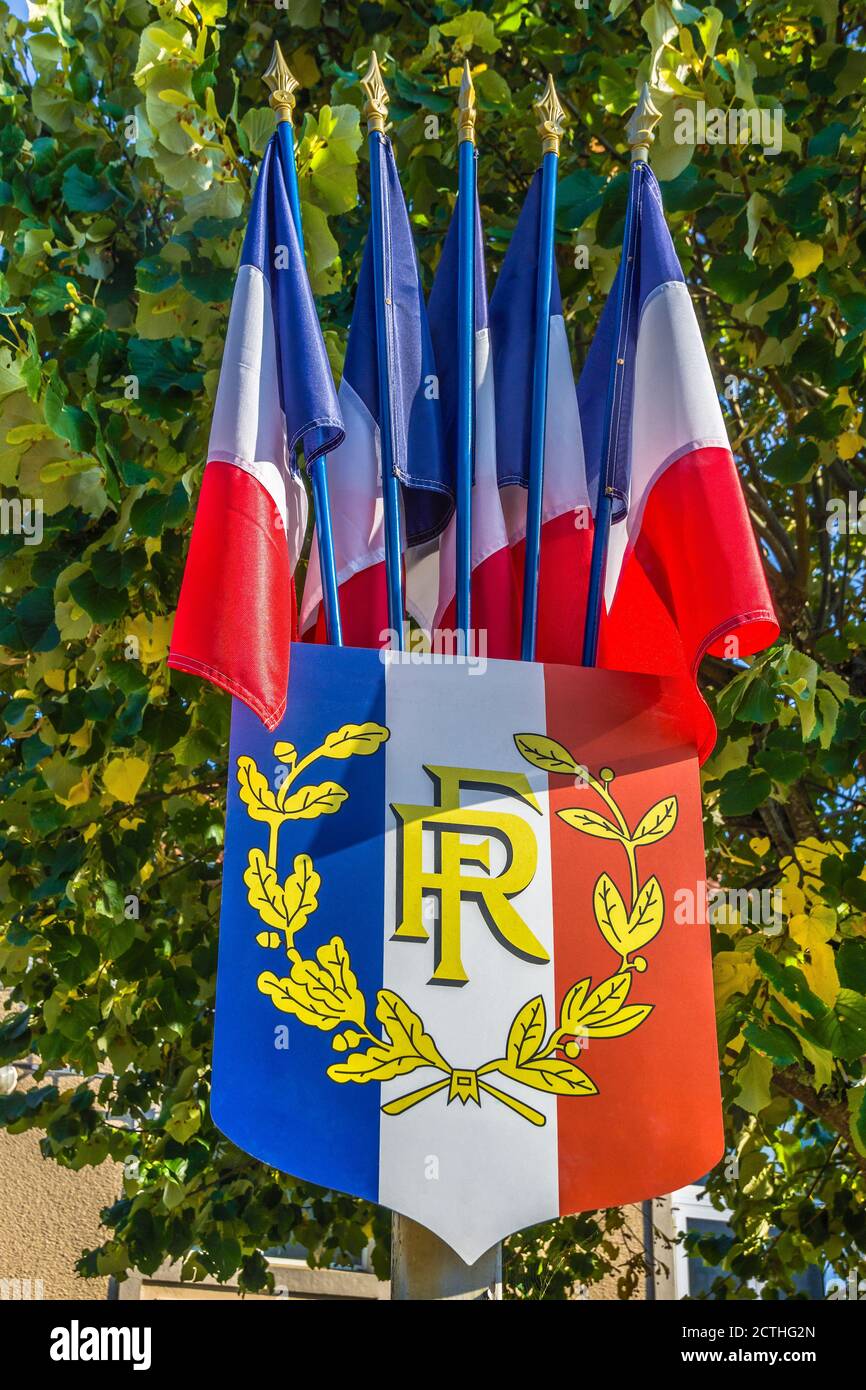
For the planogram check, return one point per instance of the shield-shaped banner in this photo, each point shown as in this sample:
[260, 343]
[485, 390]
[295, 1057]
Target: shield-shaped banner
[462, 969]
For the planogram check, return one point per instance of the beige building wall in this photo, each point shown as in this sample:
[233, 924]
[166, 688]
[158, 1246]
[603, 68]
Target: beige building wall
[48, 1215]
[630, 1242]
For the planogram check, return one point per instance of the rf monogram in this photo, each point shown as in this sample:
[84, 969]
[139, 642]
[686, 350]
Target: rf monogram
[448, 883]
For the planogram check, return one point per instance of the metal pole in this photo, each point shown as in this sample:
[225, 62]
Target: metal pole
[284, 85]
[376, 114]
[640, 135]
[551, 130]
[423, 1267]
[465, 356]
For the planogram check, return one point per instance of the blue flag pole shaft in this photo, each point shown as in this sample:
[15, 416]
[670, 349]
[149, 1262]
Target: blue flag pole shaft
[529, 634]
[318, 468]
[286, 137]
[390, 482]
[465, 386]
[613, 402]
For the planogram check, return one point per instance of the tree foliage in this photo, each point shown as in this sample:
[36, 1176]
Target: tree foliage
[128, 143]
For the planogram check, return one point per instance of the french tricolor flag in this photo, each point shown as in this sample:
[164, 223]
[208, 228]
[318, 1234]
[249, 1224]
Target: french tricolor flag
[566, 536]
[237, 614]
[431, 568]
[355, 469]
[684, 575]
[474, 973]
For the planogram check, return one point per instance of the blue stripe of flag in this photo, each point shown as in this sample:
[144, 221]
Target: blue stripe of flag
[280, 1104]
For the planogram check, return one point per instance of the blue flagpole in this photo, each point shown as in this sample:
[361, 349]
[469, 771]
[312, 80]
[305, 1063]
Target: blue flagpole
[551, 130]
[640, 136]
[283, 86]
[376, 113]
[467, 171]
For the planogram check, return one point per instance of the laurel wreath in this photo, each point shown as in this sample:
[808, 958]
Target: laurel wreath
[323, 992]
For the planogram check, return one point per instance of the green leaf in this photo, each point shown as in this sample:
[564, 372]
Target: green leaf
[791, 983]
[774, 1042]
[792, 461]
[84, 193]
[742, 790]
[68, 421]
[472, 30]
[104, 605]
[850, 963]
[753, 1083]
[155, 512]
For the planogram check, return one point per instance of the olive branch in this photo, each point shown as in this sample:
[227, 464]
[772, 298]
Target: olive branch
[323, 992]
[625, 926]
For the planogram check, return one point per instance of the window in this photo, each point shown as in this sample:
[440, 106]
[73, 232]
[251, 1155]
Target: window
[693, 1214]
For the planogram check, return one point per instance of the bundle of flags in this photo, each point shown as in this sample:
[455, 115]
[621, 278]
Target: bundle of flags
[683, 572]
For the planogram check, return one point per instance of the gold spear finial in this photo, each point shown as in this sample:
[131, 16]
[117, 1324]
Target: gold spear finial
[283, 84]
[639, 131]
[466, 106]
[551, 118]
[376, 109]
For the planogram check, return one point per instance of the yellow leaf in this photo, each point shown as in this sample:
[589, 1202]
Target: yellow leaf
[174, 98]
[55, 680]
[527, 1032]
[81, 738]
[300, 893]
[378, 1063]
[571, 1005]
[818, 961]
[255, 792]
[849, 444]
[406, 1030]
[305, 68]
[28, 434]
[354, 739]
[647, 916]
[805, 256]
[547, 754]
[658, 822]
[123, 777]
[610, 913]
[551, 1074]
[311, 802]
[753, 1081]
[603, 1003]
[264, 893]
[278, 990]
[625, 1021]
[591, 823]
[80, 793]
[153, 635]
[322, 992]
[733, 973]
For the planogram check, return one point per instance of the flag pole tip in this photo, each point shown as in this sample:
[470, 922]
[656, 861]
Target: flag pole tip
[551, 118]
[641, 126]
[466, 106]
[283, 85]
[376, 108]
